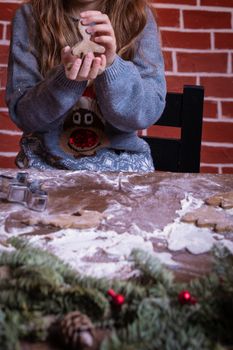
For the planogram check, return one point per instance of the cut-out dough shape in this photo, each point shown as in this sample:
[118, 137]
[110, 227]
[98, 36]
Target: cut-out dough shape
[208, 216]
[223, 200]
[86, 45]
[84, 220]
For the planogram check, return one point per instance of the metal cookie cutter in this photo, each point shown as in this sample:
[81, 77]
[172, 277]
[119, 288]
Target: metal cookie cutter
[37, 198]
[19, 190]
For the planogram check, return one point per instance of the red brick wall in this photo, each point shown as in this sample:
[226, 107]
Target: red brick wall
[9, 134]
[197, 39]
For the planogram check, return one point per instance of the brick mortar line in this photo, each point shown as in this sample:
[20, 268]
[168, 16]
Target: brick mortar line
[193, 7]
[200, 51]
[181, 20]
[230, 63]
[11, 1]
[218, 99]
[4, 32]
[222, 166]
[217, 144]
[4, 42]
[196, 30]
[5, 22]
[200, 74]
[8, 154]
[219, 109]
[174, 62]
[212, 41]
[217, 120]
[11, 132]
[217, 164]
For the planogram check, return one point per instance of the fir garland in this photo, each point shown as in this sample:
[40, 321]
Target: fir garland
[37, 289]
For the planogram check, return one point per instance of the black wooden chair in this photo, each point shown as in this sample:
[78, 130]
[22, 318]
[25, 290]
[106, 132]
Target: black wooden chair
[185, 111]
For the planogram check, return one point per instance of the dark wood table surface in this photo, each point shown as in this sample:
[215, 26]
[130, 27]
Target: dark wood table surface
[148, 201]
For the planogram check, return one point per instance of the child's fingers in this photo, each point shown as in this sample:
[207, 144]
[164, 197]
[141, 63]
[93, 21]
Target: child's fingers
[72, 69]
[110, 45]
[91, 13]
[86, 66]
[94, 16]
[103, 64]
[95, 68]
[106, 40]
[101, 28]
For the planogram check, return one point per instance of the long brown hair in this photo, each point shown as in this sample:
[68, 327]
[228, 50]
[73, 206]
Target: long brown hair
[55, 29]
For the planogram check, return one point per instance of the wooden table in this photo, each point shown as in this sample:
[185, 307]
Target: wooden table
[142, 206]
[147, 202]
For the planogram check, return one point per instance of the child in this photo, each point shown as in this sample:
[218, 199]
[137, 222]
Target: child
[83, 113]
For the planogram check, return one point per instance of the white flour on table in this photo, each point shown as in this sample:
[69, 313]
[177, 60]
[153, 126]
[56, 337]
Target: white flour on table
[107, 253]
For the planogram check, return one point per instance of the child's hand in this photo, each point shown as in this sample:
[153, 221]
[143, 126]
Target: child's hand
[102, 32]
[82, 69]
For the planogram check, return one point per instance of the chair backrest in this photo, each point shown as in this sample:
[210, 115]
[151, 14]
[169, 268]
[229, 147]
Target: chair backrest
[185, 111]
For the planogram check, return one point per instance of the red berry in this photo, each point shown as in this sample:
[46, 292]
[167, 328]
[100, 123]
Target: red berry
[111, 293]
[119, 299]
[184, 297]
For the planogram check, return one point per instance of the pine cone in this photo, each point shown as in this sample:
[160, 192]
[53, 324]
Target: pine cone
[78, 331]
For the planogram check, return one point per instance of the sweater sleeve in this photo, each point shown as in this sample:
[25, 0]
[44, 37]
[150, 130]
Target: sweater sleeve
[131, 94]
[35, 102]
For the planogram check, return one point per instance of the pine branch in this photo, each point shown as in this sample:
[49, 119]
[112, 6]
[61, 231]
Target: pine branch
[9, 330]
[152, 318]
[152, 269]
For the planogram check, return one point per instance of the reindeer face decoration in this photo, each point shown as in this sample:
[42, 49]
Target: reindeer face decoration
[83, 130]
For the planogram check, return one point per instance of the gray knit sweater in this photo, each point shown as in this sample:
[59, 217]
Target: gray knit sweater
[60, 125]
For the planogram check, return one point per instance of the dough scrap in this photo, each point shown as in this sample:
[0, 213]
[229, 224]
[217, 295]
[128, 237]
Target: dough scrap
[83, 220]
[208, 216]
[223, 200]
